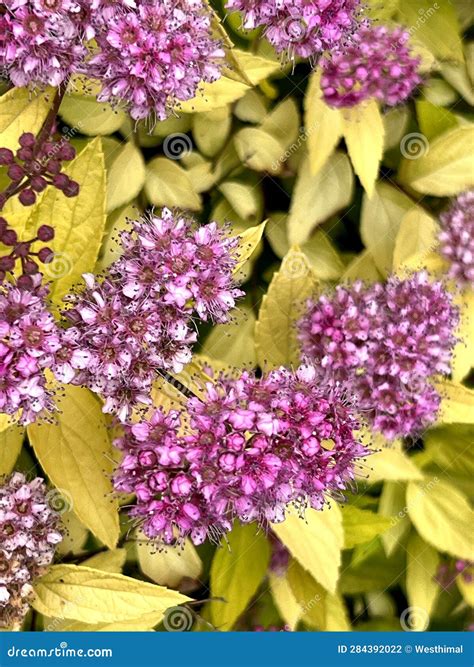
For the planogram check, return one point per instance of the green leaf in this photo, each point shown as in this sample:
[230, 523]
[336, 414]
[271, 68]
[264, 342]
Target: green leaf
[323, 125]
[435, 25]
[11, 441]
[275, 335]
[93, 596]
[76, 453]
[236, 573]
[361, 525]
[451, 448]
[417, 236]
[442, 516]
[422, 587]
[434, 120]
[125, 172]
[317, 198]
[315, 542]
[211, 129]
[79, 222]
[89, 117]
[168, 567]
[381, 216]
[168, 184]
[457, 403]
[364, 134]
[392, 504]
[22, 111]
[445, 169]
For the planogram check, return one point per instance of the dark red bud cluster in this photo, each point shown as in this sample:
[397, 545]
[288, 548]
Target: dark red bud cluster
[21, 251]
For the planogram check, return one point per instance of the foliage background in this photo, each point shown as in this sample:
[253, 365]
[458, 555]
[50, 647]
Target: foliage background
[346, 195]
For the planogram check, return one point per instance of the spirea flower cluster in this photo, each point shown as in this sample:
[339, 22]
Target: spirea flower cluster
[378, 64]
[29, 339]
[457, 238]
[254, 446]
[138, 319]
[29, 532]
[302, 28]
[385, 342]
[147, 55]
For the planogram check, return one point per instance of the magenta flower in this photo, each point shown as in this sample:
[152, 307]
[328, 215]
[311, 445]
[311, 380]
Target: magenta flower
[29, 339]
[385, 343]
[302, 28]
[378, 64]
[254, 446]
[138, 319]
[457, 238]
[29, 530]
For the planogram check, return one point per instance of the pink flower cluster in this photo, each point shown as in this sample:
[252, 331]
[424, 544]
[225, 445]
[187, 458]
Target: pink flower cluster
[385, 342]
[29, 531]
[378, 64]
[29, 339]
[253, 447]
[147, 55]
[457, 238]
[303, 28]
[138, 319]
[448, 573]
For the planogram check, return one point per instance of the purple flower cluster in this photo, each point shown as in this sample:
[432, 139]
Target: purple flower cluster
[29, 534]
[146, 55]
[457, 238]
[385, 342]
[138, 319]
[378, 64]
[253, 447]
[303, 28]
[29, 339]
[448, 573]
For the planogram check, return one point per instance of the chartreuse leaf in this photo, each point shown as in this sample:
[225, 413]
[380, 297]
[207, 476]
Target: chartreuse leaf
[318, 608]
[457, 403]
[125, 172]
[392, 504]
[364, 134]
[316, 198]
[283, 122]
[435, 25]
[275, 335]
[90, 117]
[226, 90]
[463, 357]
[442, 516]
[361, 525]
[76, 453]
[323, 125]
[422, 587]
[259, 150]
[451, 448]
[284, 599]
[388, 461]
[233, 343]
[22, 111]
[381, 216]
[94, 596]
[249, 239]
[211, 129]
[11, 441]
[75, 534]
[444, 169]
[168, 184]
[108, 561]
[315, 542]
[434, 120]
[362, 267]
[417, 236]
[236, 573]
[168, 567]
[79, 222]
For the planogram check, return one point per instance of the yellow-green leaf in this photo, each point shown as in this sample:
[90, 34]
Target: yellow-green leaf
[457, 403]
[11, 441]
[361, 525]
[393, 504]
[236, 573]
[416, 238]
[89, 117]
[323, 125]
[422, 587]
[93, 596]
[170, 566]
[315, 542]
[389, 462]
[248, 242]
[125, 172]
[364, 134]
[108, 561]
[436, 25]
[22, 111]
[211, 129]
[446, 168]
[168, 184]
[259, 150]
[233, 343]
[463, 356]
[275, 334]
[76, 453]
[284, 599]
[442, 516]
[451, 447]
